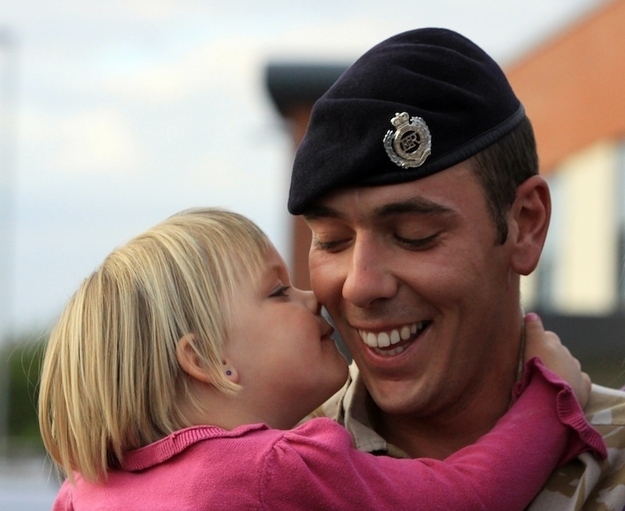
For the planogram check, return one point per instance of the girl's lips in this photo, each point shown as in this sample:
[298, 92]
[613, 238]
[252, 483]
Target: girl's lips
[326, 330]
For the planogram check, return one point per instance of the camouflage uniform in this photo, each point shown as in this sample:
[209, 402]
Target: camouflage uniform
[583, 484]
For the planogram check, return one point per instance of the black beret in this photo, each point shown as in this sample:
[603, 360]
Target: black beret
[415, 104]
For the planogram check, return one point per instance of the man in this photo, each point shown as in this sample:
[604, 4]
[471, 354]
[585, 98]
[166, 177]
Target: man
[418, 177]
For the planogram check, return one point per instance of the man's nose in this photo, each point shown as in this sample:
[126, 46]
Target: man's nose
[369, 275]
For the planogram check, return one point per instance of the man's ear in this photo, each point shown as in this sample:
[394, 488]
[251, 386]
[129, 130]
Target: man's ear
[191, 363]
[530, 215]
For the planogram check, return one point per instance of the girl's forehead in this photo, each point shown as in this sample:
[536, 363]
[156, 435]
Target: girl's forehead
[259, 267]
[272, 265]
[274, 261]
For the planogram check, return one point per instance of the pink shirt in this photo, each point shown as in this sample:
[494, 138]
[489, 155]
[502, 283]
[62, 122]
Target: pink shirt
[315, 466]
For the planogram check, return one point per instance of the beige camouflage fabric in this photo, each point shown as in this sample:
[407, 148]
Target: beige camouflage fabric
[583, 484]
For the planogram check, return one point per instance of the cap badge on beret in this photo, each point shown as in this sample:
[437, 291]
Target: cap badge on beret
[411, 143]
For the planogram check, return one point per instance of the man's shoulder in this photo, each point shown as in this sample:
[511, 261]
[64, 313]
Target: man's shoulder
[335, 407]
[606, 407]
[587, 483]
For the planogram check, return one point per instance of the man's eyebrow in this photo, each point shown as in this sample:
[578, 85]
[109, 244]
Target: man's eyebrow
[415, 205]
[316, 211]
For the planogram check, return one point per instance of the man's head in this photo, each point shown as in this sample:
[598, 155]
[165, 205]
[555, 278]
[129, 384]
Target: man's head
[417, 176]
[456, 103]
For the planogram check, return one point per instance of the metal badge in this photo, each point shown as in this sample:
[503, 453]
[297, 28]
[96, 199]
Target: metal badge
[410, 144]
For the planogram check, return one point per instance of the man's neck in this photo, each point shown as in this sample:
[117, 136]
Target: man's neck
[437, 437]
[441, 434]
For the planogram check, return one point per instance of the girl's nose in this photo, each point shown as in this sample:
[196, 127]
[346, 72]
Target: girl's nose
[309, 299]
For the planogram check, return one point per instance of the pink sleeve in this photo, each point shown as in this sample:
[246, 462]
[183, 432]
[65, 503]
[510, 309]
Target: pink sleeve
[316, 467]
[582, 437]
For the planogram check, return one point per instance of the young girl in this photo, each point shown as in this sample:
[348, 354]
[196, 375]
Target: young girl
[177, 374]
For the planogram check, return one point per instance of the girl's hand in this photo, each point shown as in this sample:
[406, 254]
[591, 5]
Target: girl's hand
[555, 356]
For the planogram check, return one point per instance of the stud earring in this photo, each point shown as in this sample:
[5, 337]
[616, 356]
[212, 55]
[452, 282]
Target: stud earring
[228, 372]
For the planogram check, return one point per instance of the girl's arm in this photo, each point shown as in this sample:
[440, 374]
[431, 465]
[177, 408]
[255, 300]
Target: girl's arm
[316, 467]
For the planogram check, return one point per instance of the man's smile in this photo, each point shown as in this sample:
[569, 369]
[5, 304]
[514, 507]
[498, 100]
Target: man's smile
[395, 341]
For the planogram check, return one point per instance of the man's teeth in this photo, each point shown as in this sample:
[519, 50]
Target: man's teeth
[386, 339]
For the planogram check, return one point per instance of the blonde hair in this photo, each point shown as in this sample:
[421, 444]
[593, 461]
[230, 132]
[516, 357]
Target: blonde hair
[110, 378]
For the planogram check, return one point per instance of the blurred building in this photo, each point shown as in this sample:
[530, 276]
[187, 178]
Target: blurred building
[294, 88]
[573, 88]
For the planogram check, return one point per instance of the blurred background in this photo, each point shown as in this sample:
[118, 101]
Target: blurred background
[114, 115]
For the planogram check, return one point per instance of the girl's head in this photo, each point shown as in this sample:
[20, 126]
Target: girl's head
[111, 379]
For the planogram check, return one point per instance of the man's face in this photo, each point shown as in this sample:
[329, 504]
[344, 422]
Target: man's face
[425, 299]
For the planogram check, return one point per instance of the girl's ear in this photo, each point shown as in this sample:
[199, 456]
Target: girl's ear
[189, 359]
[191, 363]
[231, 373]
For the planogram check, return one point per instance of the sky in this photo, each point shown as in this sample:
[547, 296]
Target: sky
[116, 114]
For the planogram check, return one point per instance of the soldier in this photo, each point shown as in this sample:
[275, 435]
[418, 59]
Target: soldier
[418, 177]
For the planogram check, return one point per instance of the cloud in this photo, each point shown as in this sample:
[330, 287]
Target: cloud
[223, 67]
[98, 140]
